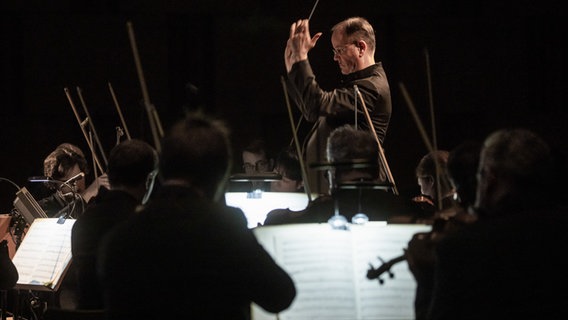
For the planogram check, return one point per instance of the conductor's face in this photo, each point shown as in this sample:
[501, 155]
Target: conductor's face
[345, 52]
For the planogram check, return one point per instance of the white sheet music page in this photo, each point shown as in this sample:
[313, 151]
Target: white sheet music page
[44, 254]
[329, 268]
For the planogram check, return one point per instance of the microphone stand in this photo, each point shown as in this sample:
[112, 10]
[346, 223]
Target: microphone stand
[68, 210]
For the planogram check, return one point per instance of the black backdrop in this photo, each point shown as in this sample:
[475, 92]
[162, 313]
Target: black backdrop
[491, 64]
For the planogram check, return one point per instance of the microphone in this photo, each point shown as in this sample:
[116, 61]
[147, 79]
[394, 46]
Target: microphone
[75, 178]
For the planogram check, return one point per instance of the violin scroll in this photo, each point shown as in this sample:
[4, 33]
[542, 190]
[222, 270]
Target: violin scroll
[385, 267]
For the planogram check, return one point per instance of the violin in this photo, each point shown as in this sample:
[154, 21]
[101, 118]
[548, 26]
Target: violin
[444, 224]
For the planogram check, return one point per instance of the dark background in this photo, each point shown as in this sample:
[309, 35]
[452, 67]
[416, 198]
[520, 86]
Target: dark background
[490, 64]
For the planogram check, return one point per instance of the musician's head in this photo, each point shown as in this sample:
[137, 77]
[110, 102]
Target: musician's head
[353, 42]
[430, 168]
[133, 166]
[516, 169]
[463, 161]
[255, 157]
[288, 166]
[66, 161]
[347, 146]
[197, 152]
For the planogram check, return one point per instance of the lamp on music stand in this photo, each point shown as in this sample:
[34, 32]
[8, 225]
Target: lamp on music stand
[338, 221]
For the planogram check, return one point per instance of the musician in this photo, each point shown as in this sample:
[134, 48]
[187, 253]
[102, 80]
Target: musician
[288, 166]
[63, 163]
[186, 254]
[353, 45]
[505, 265]
[345, 145]
[132, 169]
[433, 178]
[462, 165]
[459, 167]
[255, 160]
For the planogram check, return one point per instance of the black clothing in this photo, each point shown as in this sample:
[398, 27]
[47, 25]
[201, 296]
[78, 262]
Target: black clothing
[185, 257]
[337, 106]
[108, 210]
[332, 109]
[378, 205]
[57, 204]
[503, 267]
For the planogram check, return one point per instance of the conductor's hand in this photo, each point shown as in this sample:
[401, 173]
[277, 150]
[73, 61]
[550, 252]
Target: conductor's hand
[299, 43]
[93, 189]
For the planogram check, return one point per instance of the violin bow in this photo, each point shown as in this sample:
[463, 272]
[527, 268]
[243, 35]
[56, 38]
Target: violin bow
[381, 150]
[297, 127]
[433, 121]
[296, 142]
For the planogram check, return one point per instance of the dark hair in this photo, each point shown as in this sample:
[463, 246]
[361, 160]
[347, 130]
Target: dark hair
[257, 146]
[197, 149]
[463, 161]
[346, 143]
[427, 168]
[61, 160]
[289, 164]
[522, 157]
[130, 162]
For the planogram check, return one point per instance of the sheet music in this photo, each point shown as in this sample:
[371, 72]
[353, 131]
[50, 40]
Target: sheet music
[329, 268]
[44, 254]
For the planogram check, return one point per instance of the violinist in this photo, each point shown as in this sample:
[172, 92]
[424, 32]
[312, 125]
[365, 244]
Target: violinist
[288, 166]
[506, 264]
[436, 190]
[459, 167]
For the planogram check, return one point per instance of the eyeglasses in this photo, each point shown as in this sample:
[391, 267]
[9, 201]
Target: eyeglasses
[340, 50]
[259, 166]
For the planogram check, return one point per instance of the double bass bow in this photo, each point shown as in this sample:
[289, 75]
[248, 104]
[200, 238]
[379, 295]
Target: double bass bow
[153, 117]
[119, 130]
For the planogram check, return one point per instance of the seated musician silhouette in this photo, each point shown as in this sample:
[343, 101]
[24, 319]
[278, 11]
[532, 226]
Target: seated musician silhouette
[132, 169]
[461, 166]
[186, 255]
[505, 264]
